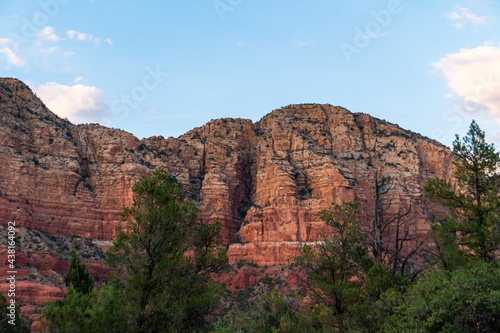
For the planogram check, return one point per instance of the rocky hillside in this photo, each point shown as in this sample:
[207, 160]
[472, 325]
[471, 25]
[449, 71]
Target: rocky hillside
[265, 181]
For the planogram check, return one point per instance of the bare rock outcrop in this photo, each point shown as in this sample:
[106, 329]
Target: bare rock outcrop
[265, 181]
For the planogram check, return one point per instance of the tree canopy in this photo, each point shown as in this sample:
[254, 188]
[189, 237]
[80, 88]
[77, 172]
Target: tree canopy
[163, 264]
[472, 229]
[78, 275]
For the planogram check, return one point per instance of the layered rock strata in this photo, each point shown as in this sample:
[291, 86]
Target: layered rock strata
[264, 181]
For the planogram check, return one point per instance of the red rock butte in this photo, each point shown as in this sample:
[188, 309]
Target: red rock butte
[265, 181]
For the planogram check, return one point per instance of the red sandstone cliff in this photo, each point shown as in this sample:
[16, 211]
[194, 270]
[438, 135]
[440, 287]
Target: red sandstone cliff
[265, 181]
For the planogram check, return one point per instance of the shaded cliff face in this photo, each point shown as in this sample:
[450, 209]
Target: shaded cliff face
[265, 181]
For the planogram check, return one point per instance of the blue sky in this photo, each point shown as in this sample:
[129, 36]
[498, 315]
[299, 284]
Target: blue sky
[164, 67]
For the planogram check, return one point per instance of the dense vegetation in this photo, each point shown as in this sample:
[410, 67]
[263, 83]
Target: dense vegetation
[155, 286]
[359, 280]
[452, 285]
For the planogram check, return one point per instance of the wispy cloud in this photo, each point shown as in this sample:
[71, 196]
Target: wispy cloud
[11, 57]
[5, 42]
[474, 76]
[78, 103]
[47, 50]
[461, 16]
[43, 44]
[72, 34]
[47, 33]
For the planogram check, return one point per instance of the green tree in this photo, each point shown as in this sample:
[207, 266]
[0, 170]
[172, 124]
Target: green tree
[84, 308]
[97, 311]
[69, 314]
[463, 293]
[348, 281]
[273, 313]
[337, 263]
[465, 300]
[163, 266]
[166, 258]
[19, 327]
[472, 229]
[78, 275]
[370, 313]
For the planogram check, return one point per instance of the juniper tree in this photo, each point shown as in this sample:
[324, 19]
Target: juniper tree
[78, 275]
[162, 270]
[166, 258]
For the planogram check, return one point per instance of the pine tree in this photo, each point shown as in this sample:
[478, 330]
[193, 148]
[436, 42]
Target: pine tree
[166, 289]
[472, 229]
[163, 265]
[78, 275]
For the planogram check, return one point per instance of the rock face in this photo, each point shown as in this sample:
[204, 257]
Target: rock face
[265, 181]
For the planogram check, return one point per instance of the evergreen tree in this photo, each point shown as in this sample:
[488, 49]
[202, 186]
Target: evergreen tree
[463, 293]
[472, 229]
[166, 289]
[464, 300]
[5, 327]
[70, 314]
[98, 311]
[273, 313]
[162, 280]
[347, 280]
[78, 275]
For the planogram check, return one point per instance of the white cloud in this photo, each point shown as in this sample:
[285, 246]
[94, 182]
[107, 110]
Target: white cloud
[12, 58]
[78, 103]
[76, 34]
[5, 42]
[454, 16]
[474, 75]
[47, 33]
[461, 16]
[72, 34]
[78, 79]
[110, 42]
